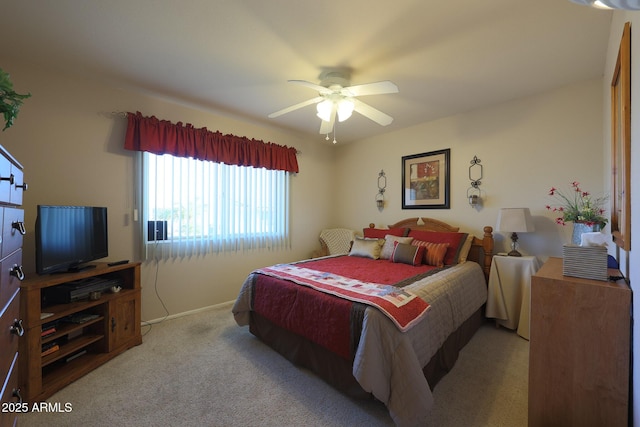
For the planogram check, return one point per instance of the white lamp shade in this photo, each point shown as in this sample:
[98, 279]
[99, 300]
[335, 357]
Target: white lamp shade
[345, 109]
[516, 220]
[324, 110]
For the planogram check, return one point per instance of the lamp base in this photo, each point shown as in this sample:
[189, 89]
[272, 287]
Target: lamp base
[514, 245]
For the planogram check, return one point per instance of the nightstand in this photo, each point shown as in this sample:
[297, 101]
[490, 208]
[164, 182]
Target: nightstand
[509, 296]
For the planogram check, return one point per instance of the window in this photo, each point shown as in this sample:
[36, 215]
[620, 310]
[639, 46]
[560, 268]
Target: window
[212, 207]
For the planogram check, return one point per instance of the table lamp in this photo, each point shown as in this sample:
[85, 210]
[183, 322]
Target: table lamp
[515, 220]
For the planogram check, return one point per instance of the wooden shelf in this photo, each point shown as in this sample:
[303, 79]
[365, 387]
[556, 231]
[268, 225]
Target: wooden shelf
[70, 347]
[63, 310]
[69, 328]
[116, 329]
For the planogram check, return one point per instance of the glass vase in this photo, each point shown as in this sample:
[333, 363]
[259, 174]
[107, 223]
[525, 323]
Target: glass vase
[581, 227]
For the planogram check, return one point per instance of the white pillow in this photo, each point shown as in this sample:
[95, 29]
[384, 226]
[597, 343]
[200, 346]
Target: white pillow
[464, 250]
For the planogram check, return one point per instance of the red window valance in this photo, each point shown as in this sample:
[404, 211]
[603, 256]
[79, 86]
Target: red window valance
[163, 137]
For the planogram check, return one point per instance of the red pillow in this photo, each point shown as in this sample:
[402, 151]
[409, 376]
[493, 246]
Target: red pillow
[455, 241]
[379, 233]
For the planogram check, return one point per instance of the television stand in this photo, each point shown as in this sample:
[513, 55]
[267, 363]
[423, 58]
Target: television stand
[84, 334]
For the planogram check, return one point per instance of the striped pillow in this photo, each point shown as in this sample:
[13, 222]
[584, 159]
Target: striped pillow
[435, 252]
[407, 254]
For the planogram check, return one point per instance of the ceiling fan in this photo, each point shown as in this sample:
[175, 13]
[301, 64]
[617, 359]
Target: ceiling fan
[337, 99]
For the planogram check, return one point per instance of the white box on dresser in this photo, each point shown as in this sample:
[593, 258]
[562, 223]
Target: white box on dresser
[12, 222]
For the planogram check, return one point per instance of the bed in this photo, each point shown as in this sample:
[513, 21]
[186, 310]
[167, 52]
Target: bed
[394, 345]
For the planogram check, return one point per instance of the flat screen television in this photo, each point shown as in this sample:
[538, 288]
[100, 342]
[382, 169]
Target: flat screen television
[69, 236]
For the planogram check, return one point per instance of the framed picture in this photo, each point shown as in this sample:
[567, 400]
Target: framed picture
[621, 144]
[425, 180]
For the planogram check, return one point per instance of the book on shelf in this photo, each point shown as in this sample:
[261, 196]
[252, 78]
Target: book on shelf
[75, 355]
[82, 317]
[48, 345]
[50, 350]
[48, 331]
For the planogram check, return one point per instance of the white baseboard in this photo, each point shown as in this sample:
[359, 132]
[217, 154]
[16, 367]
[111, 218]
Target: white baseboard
[187, 313]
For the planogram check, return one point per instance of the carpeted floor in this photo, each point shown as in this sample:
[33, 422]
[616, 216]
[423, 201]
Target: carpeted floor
[204, 370]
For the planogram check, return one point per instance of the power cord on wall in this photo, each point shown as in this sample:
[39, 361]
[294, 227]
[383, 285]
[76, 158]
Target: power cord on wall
[155, 287]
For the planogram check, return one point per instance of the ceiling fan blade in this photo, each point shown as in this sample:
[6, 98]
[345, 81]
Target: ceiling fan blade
[327, 127]
[296, 106]
[321, 89]
[372, 113]
[377, 88]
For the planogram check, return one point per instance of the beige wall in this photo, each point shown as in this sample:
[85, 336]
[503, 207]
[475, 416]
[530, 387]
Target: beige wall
[526, 146]
[70, 144]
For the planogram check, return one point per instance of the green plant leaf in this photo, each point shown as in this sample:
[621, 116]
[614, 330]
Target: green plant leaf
[10, 101]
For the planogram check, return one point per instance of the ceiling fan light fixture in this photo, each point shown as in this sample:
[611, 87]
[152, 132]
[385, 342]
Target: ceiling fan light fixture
[345, 109]
[610, 4]
[599, 5]
[324, 110]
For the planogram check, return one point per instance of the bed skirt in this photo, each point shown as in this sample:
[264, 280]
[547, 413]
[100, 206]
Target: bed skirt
[337, 371]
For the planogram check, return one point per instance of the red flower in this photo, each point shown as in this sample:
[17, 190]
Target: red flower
[579, 206]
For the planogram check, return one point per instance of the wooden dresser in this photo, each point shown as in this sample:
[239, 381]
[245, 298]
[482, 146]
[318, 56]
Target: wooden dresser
[579, 350]
[11, 274]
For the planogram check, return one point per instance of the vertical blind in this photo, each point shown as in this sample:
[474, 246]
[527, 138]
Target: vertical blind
[212, 207]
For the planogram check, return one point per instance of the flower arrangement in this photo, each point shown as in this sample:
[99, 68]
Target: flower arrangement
[580, 207]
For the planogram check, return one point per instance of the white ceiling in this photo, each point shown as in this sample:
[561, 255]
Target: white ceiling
[235, 56]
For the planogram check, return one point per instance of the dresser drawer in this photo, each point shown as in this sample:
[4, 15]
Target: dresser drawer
[9, 387]
[18, 187]
[10, 283]
[12, 230]
[6, 188]
[8, 340]
[11, 182]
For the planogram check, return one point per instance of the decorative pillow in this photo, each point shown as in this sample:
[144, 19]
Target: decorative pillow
[455, 240]
[379, 233]
[407, 253]
[389, 244]
[435, 252]
[366, 248]
[464, 250]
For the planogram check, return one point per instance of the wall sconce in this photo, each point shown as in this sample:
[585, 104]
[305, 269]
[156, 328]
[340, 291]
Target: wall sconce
[382, 185]
[474, 194]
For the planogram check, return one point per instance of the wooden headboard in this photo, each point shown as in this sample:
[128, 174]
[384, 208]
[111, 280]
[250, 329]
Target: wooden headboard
[481, 248]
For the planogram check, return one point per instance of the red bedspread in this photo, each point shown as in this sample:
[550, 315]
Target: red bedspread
[323, 318]
[367, 270]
